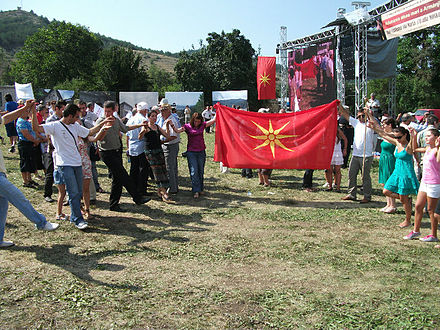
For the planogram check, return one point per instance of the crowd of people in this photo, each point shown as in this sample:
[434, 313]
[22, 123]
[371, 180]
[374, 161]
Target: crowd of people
[66, 140]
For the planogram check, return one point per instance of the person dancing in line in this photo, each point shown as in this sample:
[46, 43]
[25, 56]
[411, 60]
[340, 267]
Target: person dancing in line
[11, 194]
[387, 162]
[336, 163]
[196, 154]
[86, 164]
[151, 134]
[430, 185]
[403, 181]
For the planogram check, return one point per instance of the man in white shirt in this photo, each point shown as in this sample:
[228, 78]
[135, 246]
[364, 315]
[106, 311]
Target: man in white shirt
[170, 146]
[139, 167]
[207, 115]
[64, 134]
[373, 104]
[11, 194]
[187, 113]
[361, 136]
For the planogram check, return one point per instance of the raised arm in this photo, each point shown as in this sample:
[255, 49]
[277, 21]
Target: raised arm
[343, 138]
[168, 137]
[142, 132]
[437, 144]
[106, 122]
[11, 116]
[175, 129]
[374, 125]
[211, 122]
[343, 112]
[414, 142]
[101, 134]
[132, 127]
[35, 126]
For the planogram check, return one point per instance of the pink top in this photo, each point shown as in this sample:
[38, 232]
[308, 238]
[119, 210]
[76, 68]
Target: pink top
[195, 137]
[431, 168]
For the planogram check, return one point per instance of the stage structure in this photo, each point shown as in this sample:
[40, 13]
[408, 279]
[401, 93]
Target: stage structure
[359, 29]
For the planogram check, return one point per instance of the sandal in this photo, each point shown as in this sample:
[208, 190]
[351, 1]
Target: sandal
[62, 217]
[87, 215]
[390, 210]
[167, 199]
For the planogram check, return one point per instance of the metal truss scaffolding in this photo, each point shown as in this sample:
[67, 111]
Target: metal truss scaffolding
[360, 60]
[340, 78]
[283, 63]
[360, 46]
[392, 96]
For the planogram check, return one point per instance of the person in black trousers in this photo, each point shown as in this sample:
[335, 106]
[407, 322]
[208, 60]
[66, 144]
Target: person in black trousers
[110, 149]
[308, 180]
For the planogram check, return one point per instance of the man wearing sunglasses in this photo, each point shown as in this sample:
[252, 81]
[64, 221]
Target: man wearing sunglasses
[362, 137]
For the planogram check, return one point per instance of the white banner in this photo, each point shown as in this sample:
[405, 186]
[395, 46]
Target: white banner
[98, 111]
[413, 16]
[24, 91]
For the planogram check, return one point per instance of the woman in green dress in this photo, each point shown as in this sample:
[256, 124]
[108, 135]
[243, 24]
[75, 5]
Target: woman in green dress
[403, 181]
[387, 162]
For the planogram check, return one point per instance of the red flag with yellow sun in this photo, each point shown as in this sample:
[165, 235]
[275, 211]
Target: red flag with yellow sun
[299, 140]
[266, 77]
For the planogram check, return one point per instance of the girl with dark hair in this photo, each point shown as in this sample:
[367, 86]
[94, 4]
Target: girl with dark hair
[196, 154]
[387, 162]
[429, 191]
[336, 162]
[151, 134]
[403, 181]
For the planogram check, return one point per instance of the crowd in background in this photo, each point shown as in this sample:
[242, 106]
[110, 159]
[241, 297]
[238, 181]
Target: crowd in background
[43, 137]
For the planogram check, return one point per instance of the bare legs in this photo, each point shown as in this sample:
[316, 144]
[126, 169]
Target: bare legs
[60, 199]
[407, 205]
[336, 171]
[422, 198]
[263, 179]
[86, 198]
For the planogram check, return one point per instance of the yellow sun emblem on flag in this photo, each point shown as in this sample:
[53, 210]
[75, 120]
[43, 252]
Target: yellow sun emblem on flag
[271, 137]
[264, 79]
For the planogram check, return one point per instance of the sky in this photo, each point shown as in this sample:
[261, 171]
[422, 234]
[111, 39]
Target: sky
[176, 25]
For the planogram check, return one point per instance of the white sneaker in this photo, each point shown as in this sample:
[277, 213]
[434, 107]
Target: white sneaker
[6, 244]
[49, 226]
[82, 225]
[325, 185]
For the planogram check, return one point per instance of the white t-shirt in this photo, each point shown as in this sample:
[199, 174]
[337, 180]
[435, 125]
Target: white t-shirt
[66, 150]
[358, 141]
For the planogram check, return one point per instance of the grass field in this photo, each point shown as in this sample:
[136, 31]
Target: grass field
[241, 256]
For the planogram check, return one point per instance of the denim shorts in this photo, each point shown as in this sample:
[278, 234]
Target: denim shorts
[58, 177]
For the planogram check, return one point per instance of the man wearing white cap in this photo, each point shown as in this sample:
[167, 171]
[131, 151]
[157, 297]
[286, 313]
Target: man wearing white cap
[136, 150]
[170, 145]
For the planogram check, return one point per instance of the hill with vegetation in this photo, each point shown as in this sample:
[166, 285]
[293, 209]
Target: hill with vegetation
[17, 25]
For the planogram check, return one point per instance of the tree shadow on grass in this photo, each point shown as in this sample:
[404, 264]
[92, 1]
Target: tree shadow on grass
[239, 198]
[79, 265]
[128, 227]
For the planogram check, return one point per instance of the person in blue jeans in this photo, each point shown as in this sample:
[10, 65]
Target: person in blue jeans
[64, 134]
[11, 194]
[196, 154]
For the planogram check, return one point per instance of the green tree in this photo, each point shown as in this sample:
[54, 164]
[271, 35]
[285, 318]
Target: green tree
[119, 69]
[226, 62]
[57, 53]
[162, 81]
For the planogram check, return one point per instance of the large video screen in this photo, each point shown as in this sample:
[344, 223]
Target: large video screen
[311, 76]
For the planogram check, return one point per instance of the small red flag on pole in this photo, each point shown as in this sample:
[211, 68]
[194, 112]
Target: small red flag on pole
[266, 77]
